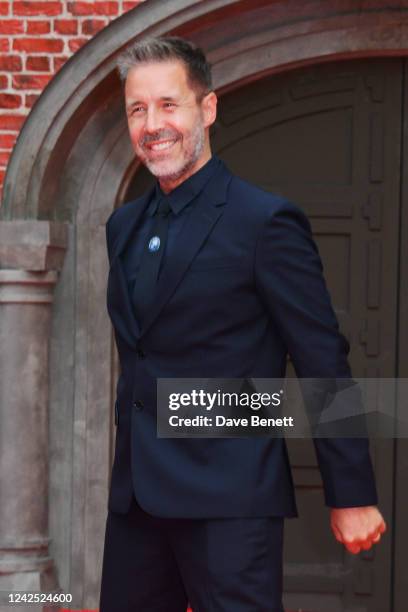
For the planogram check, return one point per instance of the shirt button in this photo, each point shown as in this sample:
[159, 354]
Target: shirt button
[138, 405]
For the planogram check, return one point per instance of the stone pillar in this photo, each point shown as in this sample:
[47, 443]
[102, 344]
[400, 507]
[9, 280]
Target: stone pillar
[31, 253]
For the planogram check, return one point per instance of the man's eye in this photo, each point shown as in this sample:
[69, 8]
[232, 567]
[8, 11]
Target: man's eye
[169, 104]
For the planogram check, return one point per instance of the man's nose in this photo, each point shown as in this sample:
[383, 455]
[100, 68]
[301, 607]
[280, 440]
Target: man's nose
[153, 120]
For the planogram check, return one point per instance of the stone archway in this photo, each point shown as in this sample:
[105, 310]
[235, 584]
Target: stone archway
[71, 166]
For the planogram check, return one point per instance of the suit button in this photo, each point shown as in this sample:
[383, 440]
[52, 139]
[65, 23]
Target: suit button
[141, 354]
[138, 405]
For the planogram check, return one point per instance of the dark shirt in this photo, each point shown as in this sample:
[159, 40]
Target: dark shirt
[181, 200]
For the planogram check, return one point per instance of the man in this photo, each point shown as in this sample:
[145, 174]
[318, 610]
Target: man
[210, 277]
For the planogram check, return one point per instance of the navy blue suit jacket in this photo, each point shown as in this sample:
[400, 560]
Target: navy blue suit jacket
[242, 288]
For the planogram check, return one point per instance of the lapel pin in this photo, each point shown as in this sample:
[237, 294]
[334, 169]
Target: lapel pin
[154, 244]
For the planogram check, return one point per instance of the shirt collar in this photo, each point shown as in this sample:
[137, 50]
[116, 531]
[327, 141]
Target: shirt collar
[184, 193]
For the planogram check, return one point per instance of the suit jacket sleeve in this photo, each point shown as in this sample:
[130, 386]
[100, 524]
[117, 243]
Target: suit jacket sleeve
[289, 279]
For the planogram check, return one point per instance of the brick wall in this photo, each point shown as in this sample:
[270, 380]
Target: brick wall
[36, 38]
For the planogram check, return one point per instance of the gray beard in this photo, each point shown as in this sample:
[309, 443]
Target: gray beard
[198, 148]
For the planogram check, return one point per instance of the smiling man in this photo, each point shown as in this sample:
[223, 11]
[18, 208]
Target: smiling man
[211, 276]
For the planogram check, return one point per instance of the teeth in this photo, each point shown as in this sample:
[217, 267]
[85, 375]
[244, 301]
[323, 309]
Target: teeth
[163, 145]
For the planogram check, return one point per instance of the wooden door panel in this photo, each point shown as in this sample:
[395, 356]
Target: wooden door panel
[328, 138]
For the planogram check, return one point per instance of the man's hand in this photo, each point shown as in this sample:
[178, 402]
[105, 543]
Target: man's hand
[357, 528]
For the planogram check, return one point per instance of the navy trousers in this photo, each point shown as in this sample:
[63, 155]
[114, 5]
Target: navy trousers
[153, 564]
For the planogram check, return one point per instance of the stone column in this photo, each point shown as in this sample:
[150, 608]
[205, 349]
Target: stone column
[31, 254]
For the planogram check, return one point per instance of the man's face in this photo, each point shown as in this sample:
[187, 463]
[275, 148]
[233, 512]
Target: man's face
[168, 127]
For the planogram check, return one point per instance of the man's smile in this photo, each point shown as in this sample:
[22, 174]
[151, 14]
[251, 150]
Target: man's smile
[163, 145]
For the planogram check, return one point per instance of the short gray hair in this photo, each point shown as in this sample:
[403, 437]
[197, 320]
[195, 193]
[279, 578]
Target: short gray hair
[169, 48]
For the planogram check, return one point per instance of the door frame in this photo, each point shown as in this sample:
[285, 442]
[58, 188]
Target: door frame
[399, 529]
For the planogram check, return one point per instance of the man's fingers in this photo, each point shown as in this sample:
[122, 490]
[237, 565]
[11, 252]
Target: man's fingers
[358, 529]
[376, 535]
[353, 547]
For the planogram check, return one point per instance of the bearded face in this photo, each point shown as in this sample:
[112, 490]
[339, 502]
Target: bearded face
[167, 124]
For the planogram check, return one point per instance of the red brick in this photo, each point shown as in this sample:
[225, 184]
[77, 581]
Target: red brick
[81, 8]
[38, 62]
[106, 8]
[11, 62]
[127, 6]
[11, 26]
[59, 62]
[11, 122]
[66, 26]
[47, 45]
[38, 27]
[31, 81]
[4, 157]
[4, 45]
[4, 8]
[3, 81]
[7, 141]
[31, 99]
[76, 43]
[9, 100]
[92, 26]
[37, 8]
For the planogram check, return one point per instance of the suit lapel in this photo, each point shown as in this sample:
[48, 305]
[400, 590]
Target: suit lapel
[119, 303]
[204, 215]
[130, 222]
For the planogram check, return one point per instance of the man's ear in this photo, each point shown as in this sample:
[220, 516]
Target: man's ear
[209, 108]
